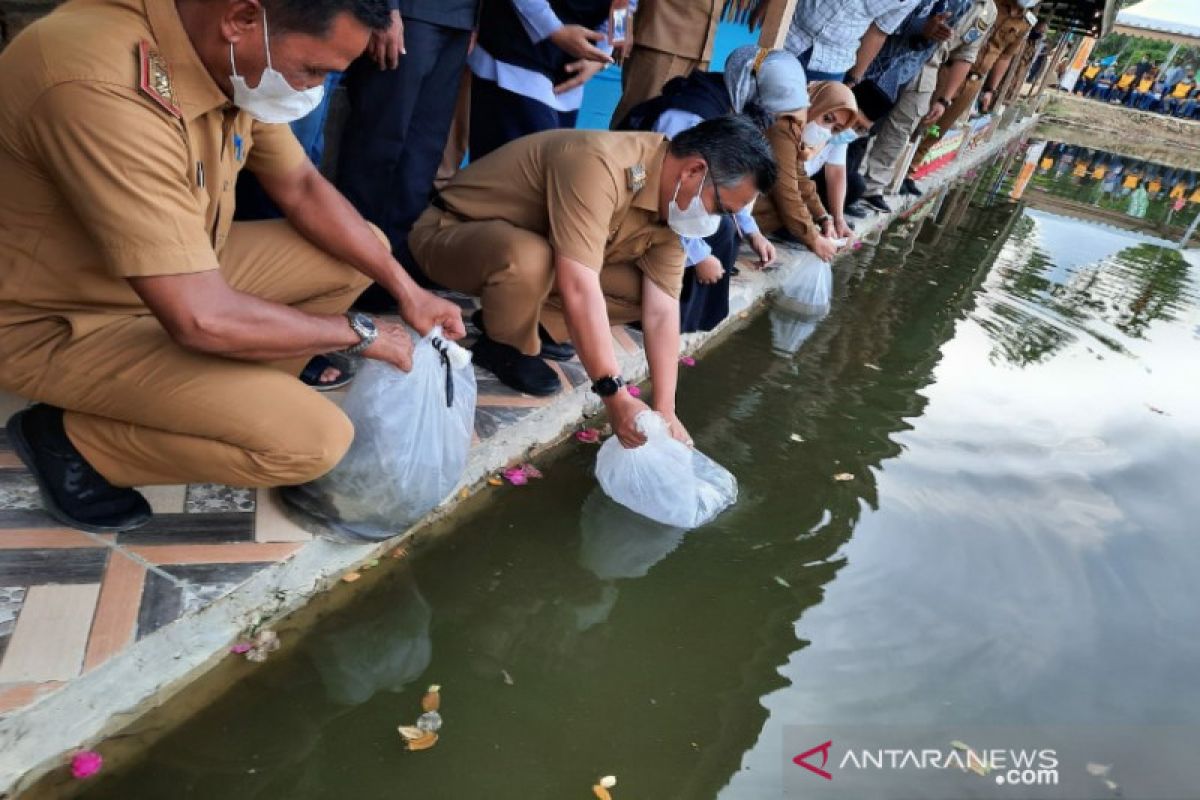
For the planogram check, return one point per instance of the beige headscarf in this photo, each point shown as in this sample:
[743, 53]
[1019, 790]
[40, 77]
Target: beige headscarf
[830, 96]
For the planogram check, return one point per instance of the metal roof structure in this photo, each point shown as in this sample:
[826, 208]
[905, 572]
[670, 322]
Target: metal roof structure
[1086, 17]
[1175, 21]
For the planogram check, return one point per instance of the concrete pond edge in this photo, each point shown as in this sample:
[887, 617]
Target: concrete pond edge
[41, 736]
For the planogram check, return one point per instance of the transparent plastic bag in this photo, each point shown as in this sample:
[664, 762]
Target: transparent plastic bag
[412, 434]
[808, 289]
[664, 479]
[618, 543]
[789, 330]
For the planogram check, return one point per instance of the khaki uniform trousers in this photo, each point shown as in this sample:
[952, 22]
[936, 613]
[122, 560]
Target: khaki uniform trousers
[962, 104]
[511, 270]
[645, 73]
[144, 411]
[888, 146]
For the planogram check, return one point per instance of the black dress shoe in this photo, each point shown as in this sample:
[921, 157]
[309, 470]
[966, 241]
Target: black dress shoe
[528, 374]
[856, 210]
[72, 491]
[910, 187]
[876, 202]
[555, 351]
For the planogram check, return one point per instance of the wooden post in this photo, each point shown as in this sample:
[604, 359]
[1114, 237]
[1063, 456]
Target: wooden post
[776, 22]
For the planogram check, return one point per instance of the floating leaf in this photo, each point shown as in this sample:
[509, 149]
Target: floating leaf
[688, 361]
[86, 763]
[374, 562]
[875, 367]
[608, 781]
[464, 493]
[795, 437]
[743, 315]
[267, 641]
[531, 471]
[508, 679]
[1098, 769]
[844, 476]
[588, 435]
[782, 582]
[351, 577]
[494, 481]
[432, 700]
[1156, 410]
[411, 732]
[601, 792]
[1111, 784]
[959, 745]
[424, 743]
[634, 391]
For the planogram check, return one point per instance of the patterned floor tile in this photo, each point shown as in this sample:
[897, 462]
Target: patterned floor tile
[209, 497]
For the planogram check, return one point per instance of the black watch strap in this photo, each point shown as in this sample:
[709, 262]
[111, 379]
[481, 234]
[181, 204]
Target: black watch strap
[608, 385]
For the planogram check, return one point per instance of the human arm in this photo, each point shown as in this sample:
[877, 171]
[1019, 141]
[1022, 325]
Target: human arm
[660, 324]
[869, 47]
[321, 214]
[949, 83]
[793, 191]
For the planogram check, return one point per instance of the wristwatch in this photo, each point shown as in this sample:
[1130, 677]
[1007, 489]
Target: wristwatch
[608, 385]
[364, 326]
[945, 103]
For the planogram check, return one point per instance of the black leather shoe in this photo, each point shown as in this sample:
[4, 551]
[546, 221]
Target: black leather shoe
[876, 202]
[528, 374]
[856, 210]
[555, 351]
[910, 187]
[73, 492]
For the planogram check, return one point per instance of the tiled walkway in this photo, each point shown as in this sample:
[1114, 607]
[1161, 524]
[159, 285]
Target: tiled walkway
[70, 600]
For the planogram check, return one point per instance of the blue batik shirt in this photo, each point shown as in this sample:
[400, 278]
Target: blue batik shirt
[906, 51]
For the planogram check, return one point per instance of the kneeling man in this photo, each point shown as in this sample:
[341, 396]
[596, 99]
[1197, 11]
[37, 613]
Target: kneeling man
[568, 232]
[162, 341]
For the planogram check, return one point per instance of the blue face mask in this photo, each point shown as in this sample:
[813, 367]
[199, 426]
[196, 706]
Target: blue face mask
[845, 137]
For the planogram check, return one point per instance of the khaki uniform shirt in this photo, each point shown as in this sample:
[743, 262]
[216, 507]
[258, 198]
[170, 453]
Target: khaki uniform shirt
[592, 194]
[684, 28]
[963, 45]
[793, 203]
[1008, 34]
[118, 158]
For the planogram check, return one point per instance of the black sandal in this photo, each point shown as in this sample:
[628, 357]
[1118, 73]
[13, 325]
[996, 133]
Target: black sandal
[316, 367]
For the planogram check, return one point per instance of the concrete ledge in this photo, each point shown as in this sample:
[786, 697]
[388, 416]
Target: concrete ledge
[101, 703]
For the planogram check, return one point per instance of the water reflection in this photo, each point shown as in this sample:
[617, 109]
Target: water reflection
[1014, 546]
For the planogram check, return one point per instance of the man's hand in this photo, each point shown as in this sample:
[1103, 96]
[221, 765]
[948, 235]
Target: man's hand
[762, 248]
[935, 112]
[623, 409]
[386, 47]
[936, 29]
[583, 70]
[678, 432]
[424, 310]
[393, 345]
[578, 41]
[985, 100]
[842, 229]
[709, 270]
[824, 248]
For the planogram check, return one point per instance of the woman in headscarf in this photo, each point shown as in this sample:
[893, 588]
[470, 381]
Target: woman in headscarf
[798, 140]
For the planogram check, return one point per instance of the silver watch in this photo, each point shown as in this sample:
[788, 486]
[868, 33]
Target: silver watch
[364, 326]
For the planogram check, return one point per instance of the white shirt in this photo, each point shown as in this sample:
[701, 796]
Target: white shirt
[829, 154]
[833, 29]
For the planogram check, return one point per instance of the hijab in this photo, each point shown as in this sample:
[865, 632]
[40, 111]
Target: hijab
[772, 79]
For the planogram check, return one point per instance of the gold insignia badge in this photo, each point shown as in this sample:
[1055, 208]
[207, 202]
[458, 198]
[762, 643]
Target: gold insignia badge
[155, 79]
[635, 176]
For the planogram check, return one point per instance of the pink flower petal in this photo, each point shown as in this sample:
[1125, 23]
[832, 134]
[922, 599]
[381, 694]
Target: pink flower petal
[531, 471]
[588, 435]
[516, 476]
[634, 391]
[688, 361]
[86, 763]
[240, 648]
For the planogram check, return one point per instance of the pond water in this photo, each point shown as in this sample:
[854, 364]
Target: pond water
[1017, 397]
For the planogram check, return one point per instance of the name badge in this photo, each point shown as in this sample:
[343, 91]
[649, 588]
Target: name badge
[971, 35]
[618, 22]
[1031, 18]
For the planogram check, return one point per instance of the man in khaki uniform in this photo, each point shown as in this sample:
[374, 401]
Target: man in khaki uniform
[670, 38]
[565, 233]
[170, 336]
[1013, 23]
[924, 100]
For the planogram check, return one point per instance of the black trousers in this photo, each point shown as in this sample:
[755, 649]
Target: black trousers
[397, 126]
[703, 306]
[498, 116]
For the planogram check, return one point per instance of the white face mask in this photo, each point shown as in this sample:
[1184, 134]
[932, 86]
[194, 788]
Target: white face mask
[274, 99]
[694, 221]
[815, 135]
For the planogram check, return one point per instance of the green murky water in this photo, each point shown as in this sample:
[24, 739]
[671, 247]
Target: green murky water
[1018, 398]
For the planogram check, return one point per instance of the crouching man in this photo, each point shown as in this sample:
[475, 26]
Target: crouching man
[161, 341]
[565, 233]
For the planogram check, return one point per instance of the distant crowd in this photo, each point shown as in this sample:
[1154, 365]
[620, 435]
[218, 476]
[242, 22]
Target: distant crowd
[1146, 85]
